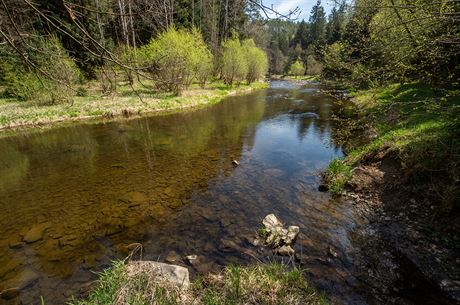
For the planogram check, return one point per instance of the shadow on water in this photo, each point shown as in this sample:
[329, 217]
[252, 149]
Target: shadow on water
[74, 198]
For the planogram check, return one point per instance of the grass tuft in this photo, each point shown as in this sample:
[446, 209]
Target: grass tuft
[338, 173]
[236, 285]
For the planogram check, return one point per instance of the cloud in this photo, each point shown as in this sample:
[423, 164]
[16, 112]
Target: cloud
[285, 6]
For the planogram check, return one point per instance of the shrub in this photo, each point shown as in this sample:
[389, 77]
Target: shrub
[297, 68]
[257, 61]
[49, 79]
[176, 58]
[234, 64]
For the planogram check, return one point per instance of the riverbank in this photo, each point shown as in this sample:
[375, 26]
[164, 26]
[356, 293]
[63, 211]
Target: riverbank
[126, 102]
[254, 284]
[401, 173]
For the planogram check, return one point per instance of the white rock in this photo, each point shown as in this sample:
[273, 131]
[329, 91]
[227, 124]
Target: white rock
[286, 251]
[271, 222]
[175, 274]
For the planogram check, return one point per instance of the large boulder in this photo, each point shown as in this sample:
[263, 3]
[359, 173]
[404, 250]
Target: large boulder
[160, 271]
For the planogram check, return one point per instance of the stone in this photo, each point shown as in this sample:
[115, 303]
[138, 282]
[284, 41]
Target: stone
[332, 252]
[8, 267]
[228, 245]
[160, 271]
[172, 257]
[36, 232]
[323, 188]
[236, 163]
[9, 293]
[191, 258]
[293, 231]
[24, 279]
[271, 222]
[285, 250]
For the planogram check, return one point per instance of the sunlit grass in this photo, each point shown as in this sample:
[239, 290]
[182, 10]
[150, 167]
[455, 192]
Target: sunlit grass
[422, 126]
[236, 285]
[143, 99]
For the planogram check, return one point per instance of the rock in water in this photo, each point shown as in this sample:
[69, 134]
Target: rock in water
[292, 233]
[9, 293]
[36, 232]
[277, 237]
[172, 257]
[236, 163]
[160, 271]
[286, 251]
[271, 222]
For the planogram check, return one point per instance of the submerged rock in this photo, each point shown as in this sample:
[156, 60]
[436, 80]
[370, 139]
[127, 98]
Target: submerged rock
[172, 257]
[9, 293]
[285, 251]
[160, 271]
[36, 232]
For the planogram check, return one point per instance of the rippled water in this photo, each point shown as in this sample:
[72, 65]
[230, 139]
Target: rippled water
[87, 191]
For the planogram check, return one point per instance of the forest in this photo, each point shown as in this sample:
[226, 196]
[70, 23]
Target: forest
[164, 128]
[62, 45]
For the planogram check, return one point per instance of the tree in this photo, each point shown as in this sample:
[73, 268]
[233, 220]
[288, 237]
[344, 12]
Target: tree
[317, 21]
[256, 59]
[176, 58]
[336, 24]
[297, 68]
[234, 63]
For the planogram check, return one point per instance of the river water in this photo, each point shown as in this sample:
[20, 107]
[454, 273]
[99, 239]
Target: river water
[72, 198]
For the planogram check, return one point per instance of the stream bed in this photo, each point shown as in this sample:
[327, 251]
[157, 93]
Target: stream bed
[74, 198]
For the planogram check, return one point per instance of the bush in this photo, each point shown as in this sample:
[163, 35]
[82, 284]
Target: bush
[257, 61]
[51, 78]
[234, 64]
[297, 68]
[176, 58]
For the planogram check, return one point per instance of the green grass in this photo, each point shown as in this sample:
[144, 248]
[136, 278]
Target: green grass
[16, 113]
[254, 284]
[422, 127]
[337, 174]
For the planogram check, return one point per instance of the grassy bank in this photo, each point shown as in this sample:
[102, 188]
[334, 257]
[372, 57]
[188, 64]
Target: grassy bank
[419, 126]
[254, 284]
[90, 103]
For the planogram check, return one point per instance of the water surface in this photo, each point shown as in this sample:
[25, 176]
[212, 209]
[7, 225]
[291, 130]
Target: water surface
[87, 191]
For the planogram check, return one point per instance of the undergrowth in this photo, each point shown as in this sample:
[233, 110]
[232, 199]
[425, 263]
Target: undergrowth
[422, 126]
[254, 284]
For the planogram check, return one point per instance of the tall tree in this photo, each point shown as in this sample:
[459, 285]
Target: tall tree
[317, 22]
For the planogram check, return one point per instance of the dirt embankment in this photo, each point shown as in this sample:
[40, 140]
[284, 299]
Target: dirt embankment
[405, 246]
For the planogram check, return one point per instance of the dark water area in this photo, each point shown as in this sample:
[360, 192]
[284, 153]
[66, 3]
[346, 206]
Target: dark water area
[73, 198]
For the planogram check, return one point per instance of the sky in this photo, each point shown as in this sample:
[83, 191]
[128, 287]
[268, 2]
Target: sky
[283, 6]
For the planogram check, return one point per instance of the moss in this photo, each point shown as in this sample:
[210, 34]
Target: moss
[254, 284]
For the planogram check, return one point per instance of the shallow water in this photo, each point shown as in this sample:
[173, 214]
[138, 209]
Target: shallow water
[87, 191]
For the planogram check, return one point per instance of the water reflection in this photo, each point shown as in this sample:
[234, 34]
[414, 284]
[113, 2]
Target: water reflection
[84, 193]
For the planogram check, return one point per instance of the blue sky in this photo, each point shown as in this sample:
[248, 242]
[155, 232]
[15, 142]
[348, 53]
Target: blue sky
[283, 6]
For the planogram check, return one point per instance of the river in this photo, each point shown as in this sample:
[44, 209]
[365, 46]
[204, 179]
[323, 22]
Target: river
[74, 197]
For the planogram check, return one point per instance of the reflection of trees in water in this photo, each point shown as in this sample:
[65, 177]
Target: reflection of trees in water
[13, 166]
[141, 171]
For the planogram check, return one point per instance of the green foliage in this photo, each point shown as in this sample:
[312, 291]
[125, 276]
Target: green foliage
[233, 62]
[337, 174]
[47, 78]
[297, 68]
[421, 127]
[257, 61]
[176, 58]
